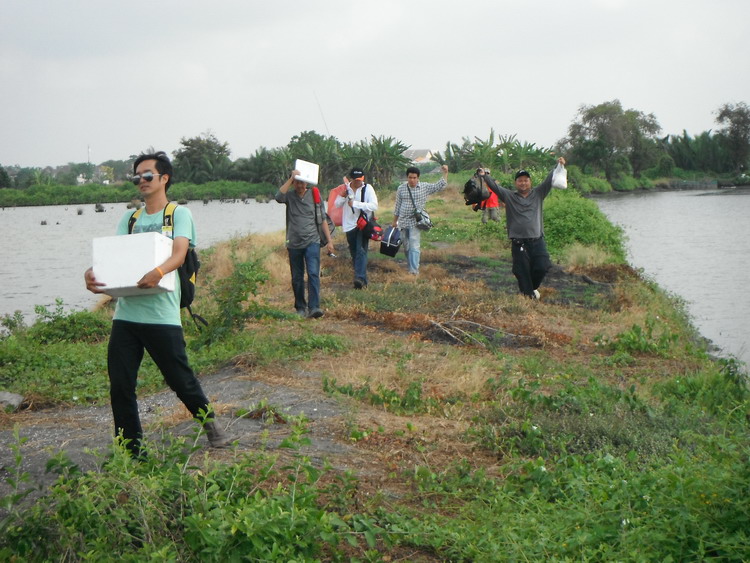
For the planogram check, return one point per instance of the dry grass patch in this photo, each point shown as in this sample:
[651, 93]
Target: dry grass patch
[171, 416]
[444, 251]
[268, 247]
[578, 255]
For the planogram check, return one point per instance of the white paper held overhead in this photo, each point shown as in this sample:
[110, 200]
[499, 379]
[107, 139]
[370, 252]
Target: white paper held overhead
[308, 172]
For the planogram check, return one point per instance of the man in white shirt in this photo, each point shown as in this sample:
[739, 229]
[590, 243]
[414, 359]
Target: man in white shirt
[359, 200]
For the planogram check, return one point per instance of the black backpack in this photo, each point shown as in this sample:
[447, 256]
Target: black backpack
[188, 271]
[475, 190]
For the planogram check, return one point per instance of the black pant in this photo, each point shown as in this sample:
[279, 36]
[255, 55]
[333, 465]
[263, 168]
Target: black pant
[530, 263]
[166, 346]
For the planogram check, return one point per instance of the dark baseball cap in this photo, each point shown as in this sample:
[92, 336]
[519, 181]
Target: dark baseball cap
[357, 174]
[522, 173]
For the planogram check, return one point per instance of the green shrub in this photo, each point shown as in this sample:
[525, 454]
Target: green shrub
[61, 358]
[232, 299]
[76, 326]
[644, 340]
[598, 185]
[584, 183]
[576, 179]
[665, 166]
[725, 391]
[570, 218]
[58, 372]
[625, 184]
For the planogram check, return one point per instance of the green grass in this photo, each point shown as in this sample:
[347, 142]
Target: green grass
[585, 508]
[71, 365]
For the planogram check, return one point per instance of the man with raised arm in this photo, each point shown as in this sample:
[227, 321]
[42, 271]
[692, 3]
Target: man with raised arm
[525, 223]
[305, 219]
[411, 196]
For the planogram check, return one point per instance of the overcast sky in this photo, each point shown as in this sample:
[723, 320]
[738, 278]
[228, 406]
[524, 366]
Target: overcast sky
[117, 77]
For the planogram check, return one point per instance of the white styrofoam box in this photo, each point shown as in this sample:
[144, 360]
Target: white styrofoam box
[120, 261]
[308, 172]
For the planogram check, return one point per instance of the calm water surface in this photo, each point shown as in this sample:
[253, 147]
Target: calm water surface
[43, 262]
[695, 245]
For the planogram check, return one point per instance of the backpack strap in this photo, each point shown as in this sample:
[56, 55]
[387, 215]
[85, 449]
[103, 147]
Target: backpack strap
[362, 195]
[197, 318]
[168, 220]
[133, 219]
[411, 196]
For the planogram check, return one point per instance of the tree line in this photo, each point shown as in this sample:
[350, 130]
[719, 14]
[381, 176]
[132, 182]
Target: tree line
[606, 146]
[607, 139]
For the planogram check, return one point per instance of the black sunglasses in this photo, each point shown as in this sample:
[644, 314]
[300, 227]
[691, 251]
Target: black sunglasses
[148, 176]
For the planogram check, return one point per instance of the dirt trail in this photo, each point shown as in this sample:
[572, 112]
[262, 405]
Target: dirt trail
[77, 431]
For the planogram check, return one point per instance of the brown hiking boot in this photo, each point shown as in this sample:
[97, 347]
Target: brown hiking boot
[216, 436]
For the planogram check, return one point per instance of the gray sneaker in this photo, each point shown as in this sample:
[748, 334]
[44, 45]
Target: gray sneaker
[315, 314]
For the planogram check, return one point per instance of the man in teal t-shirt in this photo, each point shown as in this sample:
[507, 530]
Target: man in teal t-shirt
[152, 322]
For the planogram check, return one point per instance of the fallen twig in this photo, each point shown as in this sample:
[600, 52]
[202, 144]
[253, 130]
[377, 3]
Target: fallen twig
[453, 330]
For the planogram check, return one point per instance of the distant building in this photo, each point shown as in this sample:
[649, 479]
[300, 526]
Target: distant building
[418, 156]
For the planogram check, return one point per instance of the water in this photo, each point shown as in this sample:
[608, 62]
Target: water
[696, 245]
[39, 263]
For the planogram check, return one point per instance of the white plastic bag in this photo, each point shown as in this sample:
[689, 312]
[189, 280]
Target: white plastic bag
[560, 177]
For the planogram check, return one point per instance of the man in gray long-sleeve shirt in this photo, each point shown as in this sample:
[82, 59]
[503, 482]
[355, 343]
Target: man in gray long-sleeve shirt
[305, 219]
[523, 213]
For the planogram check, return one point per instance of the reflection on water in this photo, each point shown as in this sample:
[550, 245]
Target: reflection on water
[695, 245]
[41, 262]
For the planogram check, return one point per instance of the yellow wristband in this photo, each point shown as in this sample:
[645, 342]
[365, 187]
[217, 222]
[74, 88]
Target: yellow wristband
[158, 269]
